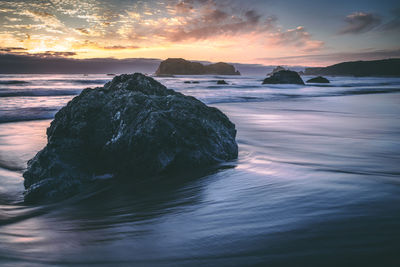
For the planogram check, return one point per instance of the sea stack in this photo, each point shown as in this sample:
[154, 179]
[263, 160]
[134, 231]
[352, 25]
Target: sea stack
[276, 69]
[132, 127]
[284, 77]
[180, 66]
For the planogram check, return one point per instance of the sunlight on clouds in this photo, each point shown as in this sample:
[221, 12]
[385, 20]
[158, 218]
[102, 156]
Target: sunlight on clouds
[48, 20]
[196, 29]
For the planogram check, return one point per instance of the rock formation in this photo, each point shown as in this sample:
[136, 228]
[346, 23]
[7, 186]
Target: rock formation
[284, 77]
[221, 82]
[132, 127]
[318, 79]
[275, 70]
[191, 82]
[385, 67]
[179, 66]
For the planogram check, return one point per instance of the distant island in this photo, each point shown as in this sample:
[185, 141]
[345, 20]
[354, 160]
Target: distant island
[180, 66]
[385, 67]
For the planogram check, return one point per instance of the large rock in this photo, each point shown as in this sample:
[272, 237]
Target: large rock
[284, 77]
[133, 127]
[179, 66]
[318, 79]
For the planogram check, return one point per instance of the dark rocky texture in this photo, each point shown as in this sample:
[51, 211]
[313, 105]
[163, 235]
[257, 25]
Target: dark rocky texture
[284, 77]
[221, 82]
[133, 127]
[179, 66]
[385, 67]
[275, 70]
[318, 79]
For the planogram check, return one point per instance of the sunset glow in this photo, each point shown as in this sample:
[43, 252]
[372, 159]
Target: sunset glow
[263, 32]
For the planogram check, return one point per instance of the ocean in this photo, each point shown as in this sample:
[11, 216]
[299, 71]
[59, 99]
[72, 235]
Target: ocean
[316, 183]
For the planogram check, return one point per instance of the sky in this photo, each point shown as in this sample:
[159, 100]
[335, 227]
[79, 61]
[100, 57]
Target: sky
[269, 32]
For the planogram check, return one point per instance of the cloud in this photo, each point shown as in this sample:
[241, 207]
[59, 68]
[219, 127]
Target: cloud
[360, 22]
[121, 47]
[12, 49]
[55, 54]
[183, 7]
[48, 21]
[82, 31]
[12, 19]
[42, 16]
[110, 27]
[222, 22]
[88, 32]
[393, 23]
[298, 37]
[206, 19]
[25, 52]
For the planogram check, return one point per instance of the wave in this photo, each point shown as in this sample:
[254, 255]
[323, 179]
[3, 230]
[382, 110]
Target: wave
[76, 81]
[371, 91]
[278, 96]
[88, 81]
[28, 114]
[38, 92]
[238, 99]
[353, 84]
[232, 86]
[79, 81]
[9, 82]
[10, 166]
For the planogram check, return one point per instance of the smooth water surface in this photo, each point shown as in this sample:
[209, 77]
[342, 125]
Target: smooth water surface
[317, 181]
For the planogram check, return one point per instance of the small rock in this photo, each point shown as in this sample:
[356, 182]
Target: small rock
[318, 79]
[221, 82]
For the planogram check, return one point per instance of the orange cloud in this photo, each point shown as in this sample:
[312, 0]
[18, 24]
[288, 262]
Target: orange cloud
[195, 29]
[297, 37]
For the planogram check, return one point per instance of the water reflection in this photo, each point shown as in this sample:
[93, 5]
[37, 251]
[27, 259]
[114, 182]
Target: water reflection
[119, 210]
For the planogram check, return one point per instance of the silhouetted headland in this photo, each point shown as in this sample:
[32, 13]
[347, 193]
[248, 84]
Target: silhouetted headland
[180, 66]
[385, 67]
[132, 126]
